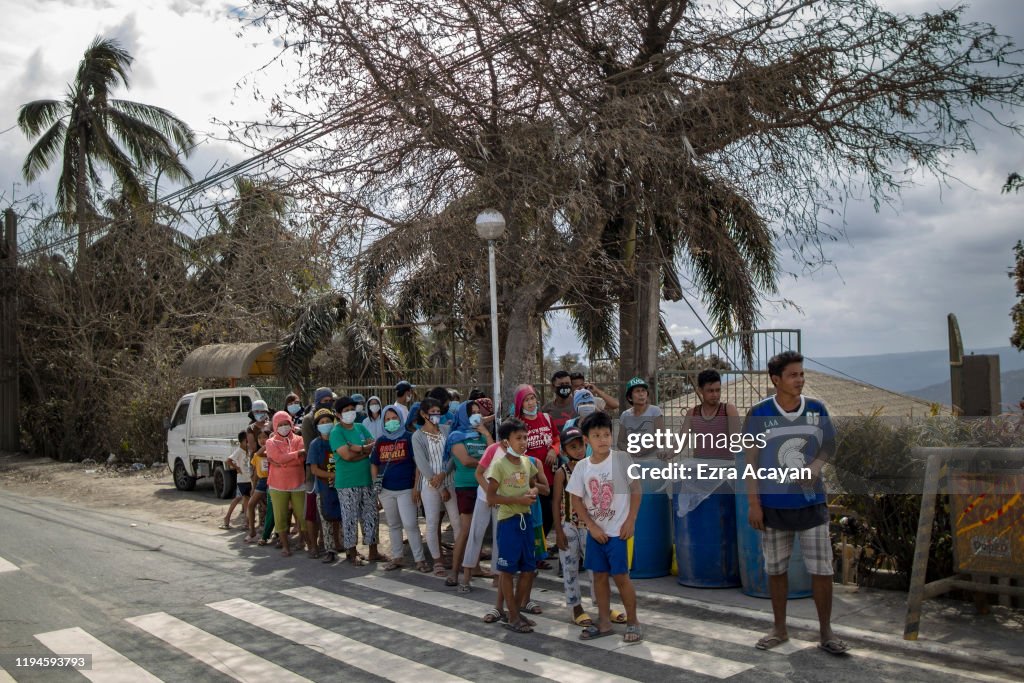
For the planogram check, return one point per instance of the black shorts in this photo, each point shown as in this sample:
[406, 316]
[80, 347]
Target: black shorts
[465, 497]
[244, 488]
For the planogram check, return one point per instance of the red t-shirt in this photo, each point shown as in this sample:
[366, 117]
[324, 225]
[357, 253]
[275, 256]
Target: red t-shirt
[540, 437]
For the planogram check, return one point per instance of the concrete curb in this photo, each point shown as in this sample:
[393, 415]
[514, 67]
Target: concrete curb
[993, 657]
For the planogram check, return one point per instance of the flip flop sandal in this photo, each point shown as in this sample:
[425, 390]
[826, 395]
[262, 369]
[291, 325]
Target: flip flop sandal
[262, 541]
[465, 588]
[531, 608]
[633, 630]
[834, 647]
[529, 622]
[423, 566]
[451, 582]
[519, 627]
[618, 617]
[439, 570]
[583, 619]
[593, 633]
[392, 566]
[356, 561]
[494, 616]
[770, 641]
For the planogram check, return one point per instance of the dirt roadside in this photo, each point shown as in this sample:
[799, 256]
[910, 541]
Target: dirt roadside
[149, 492]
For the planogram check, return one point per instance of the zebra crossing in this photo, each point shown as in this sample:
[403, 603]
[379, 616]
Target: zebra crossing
[372, 627]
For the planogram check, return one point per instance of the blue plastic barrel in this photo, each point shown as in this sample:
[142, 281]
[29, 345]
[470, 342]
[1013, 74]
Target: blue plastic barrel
[706, 549]
[752, 573]
[652, 541]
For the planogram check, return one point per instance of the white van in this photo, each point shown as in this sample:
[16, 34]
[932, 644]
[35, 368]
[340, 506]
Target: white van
[203, 432]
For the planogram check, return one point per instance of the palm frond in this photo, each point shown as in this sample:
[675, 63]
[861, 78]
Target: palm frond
[44, 152]
[169, 125]
[312, 330]
[34, 116]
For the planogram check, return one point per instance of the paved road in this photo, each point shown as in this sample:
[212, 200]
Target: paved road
[159, 602]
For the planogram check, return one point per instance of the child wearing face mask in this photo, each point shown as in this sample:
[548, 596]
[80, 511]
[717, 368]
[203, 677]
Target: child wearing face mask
[287, 479]
[465, 447]
[374, 420]
[542, 444]
[351, 445]
[293, 405]
[321, 464]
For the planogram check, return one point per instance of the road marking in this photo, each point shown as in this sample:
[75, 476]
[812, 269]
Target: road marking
[514, 657]
[6, 566]
[108, 666]
[708, 665]
[352, 652]
[736, 635]
[903, 661]
[6, 677]
[223, 656]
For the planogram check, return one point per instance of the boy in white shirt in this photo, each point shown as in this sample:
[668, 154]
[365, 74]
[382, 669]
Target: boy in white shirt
[239, 462]
[607, 501]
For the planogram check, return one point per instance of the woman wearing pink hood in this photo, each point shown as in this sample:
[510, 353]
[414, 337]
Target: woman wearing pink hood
[287, 479]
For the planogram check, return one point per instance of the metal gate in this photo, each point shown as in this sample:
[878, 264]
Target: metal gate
[741, 359]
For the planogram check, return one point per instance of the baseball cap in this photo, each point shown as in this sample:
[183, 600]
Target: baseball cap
[633, 384]
[570, 434]
[260, 406]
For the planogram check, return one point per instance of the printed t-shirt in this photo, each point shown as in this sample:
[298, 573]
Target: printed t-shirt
[541, 436]
[466, 476]
[604, 488]
[513, 480]
[348, 475]
[791, 440]
[395, 463]
[319, 454]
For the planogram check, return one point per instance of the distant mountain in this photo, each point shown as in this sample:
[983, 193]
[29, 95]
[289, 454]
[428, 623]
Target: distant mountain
[1011, 384]
[908, 372]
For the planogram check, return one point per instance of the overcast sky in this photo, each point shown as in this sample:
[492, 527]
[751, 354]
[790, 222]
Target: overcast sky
[896, 276]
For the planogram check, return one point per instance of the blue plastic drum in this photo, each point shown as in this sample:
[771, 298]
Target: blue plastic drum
[706, 550]
[652, 541]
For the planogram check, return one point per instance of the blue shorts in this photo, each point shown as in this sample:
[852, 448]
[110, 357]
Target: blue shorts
[261, 485]
[515, 545]
[606, 558]
[244, 488]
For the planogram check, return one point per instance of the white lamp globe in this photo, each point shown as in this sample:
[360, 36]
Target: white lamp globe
[490, 224]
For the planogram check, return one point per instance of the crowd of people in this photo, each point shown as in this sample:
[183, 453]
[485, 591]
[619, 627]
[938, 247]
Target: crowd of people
[327, 470]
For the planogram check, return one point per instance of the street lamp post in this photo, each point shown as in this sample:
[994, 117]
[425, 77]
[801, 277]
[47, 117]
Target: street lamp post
[490, 225]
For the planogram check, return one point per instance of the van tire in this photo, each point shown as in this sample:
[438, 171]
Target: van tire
[182, 480]
[224, 482]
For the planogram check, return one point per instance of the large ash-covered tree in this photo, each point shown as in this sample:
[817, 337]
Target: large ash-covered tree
[631, 144]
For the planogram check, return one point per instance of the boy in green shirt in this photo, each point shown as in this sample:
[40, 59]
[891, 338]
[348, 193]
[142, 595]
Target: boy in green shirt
[512, 486]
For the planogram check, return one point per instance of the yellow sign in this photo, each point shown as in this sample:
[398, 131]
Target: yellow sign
[988, 523]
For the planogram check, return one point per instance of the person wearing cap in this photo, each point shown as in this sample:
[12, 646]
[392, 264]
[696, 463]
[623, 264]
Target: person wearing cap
[321, 464]
[360, 406]
[260, 416]
[603, 399]
[640, 418]
[405, 394]
[322, 398]
[570, 531]
[351, 445]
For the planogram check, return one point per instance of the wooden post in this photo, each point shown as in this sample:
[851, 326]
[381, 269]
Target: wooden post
[919, 572]
[10, 428]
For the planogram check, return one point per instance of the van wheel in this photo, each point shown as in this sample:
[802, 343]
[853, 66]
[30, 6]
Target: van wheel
[224, 482]
[182, 480]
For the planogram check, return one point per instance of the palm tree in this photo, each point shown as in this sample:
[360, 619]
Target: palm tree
[89, 132]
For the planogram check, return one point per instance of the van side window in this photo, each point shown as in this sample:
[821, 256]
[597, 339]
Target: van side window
[246, 404]
[206, 406]
[180, 415]
[227, 405]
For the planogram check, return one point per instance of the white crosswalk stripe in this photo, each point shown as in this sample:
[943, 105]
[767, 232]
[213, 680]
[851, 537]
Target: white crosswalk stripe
[108, 666]
[709, 665]
[492, 650]
[5, 677]
[736, 635]
[352, 652]
[6, 566]
[223, 656]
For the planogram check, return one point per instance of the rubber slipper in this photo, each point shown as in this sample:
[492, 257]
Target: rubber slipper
[770, 641]
[593, 633]
[494, 615]
[834, 647]
[451, 582]
[531, 608]
[583, 619]
[519, 627]
[633, 630]
[618, 617]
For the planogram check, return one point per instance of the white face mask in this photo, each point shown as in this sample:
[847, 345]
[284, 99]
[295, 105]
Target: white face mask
[348, 417]
[586, 409]
[374, 408]
[511, 451]
[294, 408]
[359, 408]
[284, 430]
